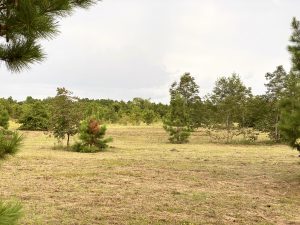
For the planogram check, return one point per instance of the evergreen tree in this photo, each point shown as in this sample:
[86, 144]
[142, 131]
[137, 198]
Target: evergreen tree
[24, 22]
[176, 122]
[290, 105]
[91, 134]
[10, 143]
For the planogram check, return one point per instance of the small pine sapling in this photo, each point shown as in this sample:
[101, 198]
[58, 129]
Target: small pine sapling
[91, 134]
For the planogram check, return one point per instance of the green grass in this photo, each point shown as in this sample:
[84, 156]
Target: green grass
[145, 180]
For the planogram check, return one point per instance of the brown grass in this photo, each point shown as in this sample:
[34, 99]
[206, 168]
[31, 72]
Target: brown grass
[145, 180]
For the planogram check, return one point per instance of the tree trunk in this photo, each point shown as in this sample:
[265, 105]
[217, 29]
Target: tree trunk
[68, 141]
[227, 127]
[277, 133]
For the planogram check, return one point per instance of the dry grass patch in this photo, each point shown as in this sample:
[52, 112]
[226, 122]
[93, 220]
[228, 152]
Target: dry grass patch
[145, 180]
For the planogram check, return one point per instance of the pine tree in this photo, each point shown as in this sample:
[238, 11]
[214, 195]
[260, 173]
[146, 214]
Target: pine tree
[91, 134]
[290, 105]
[10, 143]
[24, 22]
[176, 123]
[290, 112]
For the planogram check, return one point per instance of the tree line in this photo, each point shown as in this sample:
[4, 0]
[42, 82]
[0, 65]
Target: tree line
[232, 110]
[36, 114]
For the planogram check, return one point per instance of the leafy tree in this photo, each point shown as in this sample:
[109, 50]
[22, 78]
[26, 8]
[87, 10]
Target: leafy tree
[149, 116]
[91, 134]
[23, 23]
[35, 117]
[181, 118]
[161, 109]
[290, 105]
[275, 91]
[188, 90]
[4, 117]
[229, 99]
[65, 117]
[259, 113]
[8, 104]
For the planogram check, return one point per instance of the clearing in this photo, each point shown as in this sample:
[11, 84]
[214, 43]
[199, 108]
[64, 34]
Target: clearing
[143, 179]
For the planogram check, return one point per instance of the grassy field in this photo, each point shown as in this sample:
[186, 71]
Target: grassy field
[144, 180]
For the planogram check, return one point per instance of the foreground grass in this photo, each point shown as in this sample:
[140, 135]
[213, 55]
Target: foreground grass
[145, 180]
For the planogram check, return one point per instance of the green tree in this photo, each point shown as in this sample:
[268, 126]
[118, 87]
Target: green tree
[23, 23]
[276, 87]
[290, 112]
[290, 105]
[229, 99]
[188, 91]
[148, 116]
[176, 122]
[35, 117]
[65, 117]
[10, 143]
[181, 119]
[4, 117]
[135, 115]
[91, 134]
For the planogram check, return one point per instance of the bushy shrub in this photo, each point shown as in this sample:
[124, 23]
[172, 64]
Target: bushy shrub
[149, 116]
[79, 147]
[10, 142]
[91, 135]
[10, 213]
[221, 134]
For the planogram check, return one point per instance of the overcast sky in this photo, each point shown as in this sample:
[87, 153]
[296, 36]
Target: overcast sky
[121, 49]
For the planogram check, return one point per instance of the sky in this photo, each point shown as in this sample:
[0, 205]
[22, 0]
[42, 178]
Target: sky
[121, 49]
